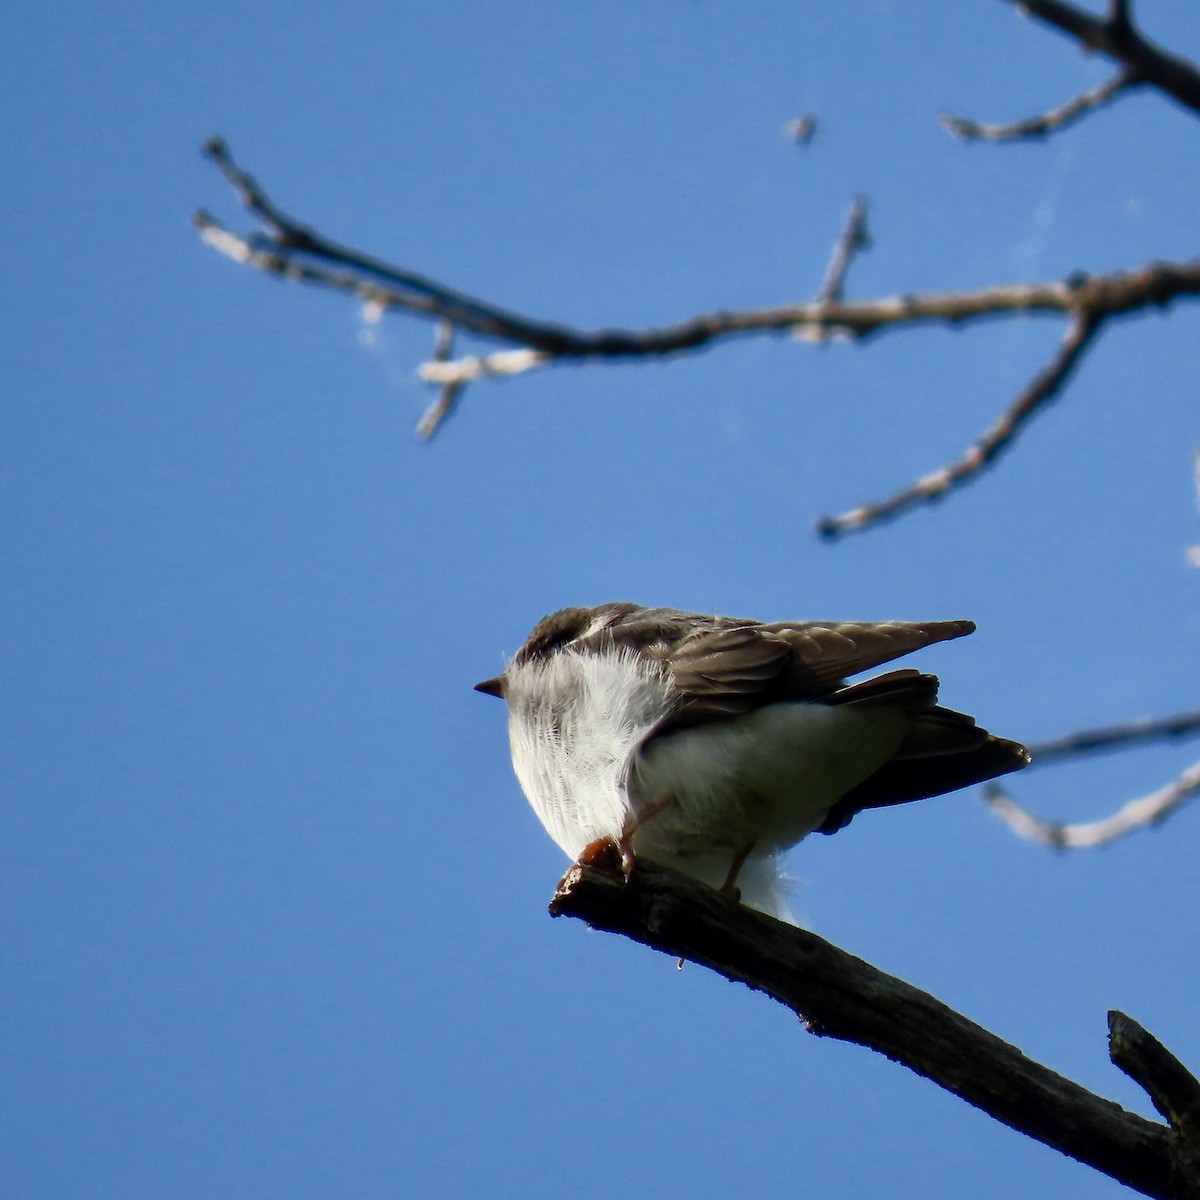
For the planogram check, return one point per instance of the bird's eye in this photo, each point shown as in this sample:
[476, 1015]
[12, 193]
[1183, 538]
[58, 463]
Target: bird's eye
[553, 641]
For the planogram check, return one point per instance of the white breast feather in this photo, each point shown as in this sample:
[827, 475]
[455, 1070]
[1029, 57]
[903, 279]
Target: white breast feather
[574, 721]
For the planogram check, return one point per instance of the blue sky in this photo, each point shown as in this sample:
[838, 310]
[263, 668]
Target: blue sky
[274, 906]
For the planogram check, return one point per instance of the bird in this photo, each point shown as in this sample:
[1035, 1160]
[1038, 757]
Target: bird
[713, 744]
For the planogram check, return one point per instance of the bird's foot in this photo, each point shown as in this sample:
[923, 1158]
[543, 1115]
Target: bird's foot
[729, 887]
[605, 854]
[633, 823]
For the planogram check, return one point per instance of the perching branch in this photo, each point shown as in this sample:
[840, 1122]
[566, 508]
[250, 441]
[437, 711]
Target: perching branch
[837, 995]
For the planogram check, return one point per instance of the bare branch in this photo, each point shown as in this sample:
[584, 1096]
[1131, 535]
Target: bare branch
[288, 245]
[1119, 19]
[300, 253]
[1115, 737]
[1136, 814]
[291, 250]
[855, 238]
[446, 402]
[1116, 37]
[837, 995]
[1042, 389]
[1043, 123]
[1142, 63]
[1171, 1087]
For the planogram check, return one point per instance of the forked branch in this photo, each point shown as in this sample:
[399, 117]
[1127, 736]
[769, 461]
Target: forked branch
[292, 250]
[838, 995]
[1142, 63]
[1140, 813]
[1116, 36]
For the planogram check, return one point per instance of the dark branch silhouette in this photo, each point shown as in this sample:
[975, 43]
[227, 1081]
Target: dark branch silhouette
[1142, 64]
[840, 996]
[1115, 737]
[1172, 1088]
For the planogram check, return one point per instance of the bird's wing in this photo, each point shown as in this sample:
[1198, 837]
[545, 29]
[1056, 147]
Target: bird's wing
[833, 651]
[733, 667]
[923, 768]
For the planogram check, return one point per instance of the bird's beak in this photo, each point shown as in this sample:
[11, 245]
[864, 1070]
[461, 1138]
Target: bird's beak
[493, 687]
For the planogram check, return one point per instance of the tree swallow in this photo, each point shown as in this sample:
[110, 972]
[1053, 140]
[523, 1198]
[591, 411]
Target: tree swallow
[712, 744]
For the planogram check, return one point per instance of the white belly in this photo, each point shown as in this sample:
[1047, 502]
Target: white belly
[767, 778]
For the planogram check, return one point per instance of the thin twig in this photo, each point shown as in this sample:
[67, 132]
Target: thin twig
[369, 277]
[1042, 389]
[448, 398]
[838, 995]
[446, 402]
[1115, 737]
[854, 239]
[1136, 814]
[1043, 123]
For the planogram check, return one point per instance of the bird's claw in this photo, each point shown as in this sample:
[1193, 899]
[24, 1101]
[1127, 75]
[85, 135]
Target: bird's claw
[605, 854]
